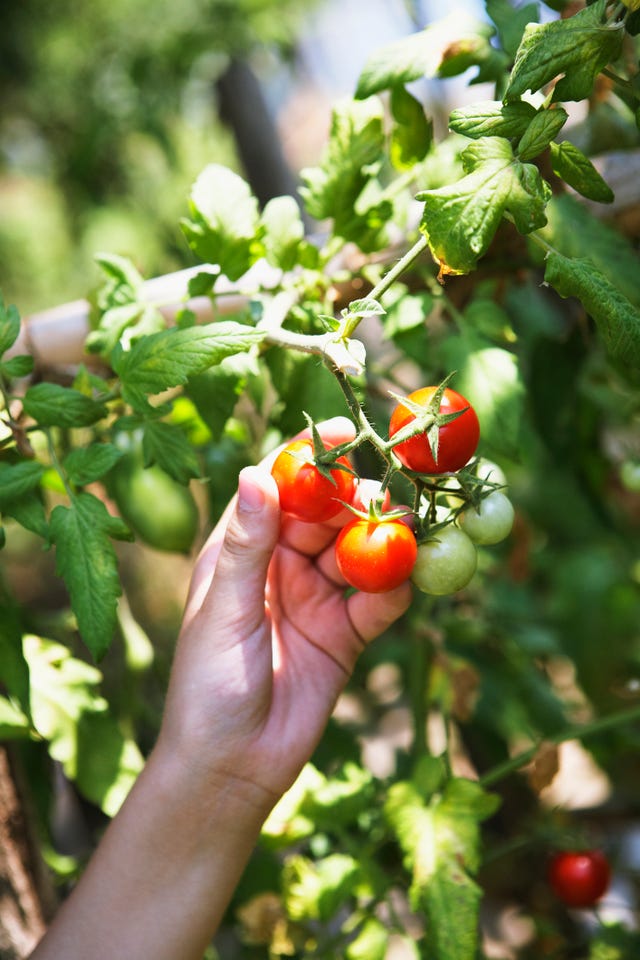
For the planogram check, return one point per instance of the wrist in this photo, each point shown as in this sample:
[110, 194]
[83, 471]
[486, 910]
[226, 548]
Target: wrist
[211, 790]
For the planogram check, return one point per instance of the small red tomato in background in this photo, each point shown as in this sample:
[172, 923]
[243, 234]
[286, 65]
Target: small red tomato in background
[457, 440]
[304, 492]
[579, 878]
[376, 555]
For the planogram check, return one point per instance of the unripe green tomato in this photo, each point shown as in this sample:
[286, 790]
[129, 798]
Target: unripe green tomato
[491, 522]
[161, 511]
[445, 564]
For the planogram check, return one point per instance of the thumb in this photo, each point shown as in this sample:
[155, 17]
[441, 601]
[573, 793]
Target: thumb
[236, 597]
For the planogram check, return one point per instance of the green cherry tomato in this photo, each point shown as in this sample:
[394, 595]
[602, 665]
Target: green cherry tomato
[161, 511]
[457, 440]
[446, 563]
[304, 492]
[376, 555]
[491, 522]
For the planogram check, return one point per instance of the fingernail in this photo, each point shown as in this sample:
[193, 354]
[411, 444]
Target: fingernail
[250, 495]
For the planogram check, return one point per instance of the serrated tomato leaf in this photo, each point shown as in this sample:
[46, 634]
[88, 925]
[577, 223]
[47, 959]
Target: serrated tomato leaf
[18, 479]
[9, 326]
[445, 48]
[575, 49]
[617, 320]
[52, 405]
[492, 118]
[86, 464]
[167, 445]
[544, 127]
[167, 359]
[440, 840]
[460, 219]
[224, 226]
[571, 164]
[86, 561]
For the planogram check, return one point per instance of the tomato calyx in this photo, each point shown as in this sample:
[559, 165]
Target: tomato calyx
[376, 512]
[428, 419]
[324, 459]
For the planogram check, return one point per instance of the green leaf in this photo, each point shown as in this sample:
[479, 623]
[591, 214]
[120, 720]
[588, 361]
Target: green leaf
[460, 219]
[340, 798]
[317, 890]
[412, 132]
[286, 824]
[576, 49]
[167, 445]
[123, 275]
[108, 761]
[283, 232]
[86, 561]
[224, 228]
[492, 118]
[576, 232]
[303, 384]
[511, 21]
[86, 464]
[202, 284]
[215, 394]
[19, 366]
[128, 322]
[169, 358]
[617, 320]
[491, 376]
[18, 479]
[446, 47]
[371, 942]
[13, 722]
[344, 187]
[544, 127]
[440, 842]
[71, 715]
[29, 512]
[9, 326]
[52, 405]
[570, 163]
[14, 671]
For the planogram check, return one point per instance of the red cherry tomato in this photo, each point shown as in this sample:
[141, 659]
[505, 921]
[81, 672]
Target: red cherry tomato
[579, 878]
[457, 440]
[376, 555]
[304, 492]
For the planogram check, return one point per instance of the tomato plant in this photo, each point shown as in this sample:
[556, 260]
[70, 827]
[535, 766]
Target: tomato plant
[306, 492]
[375, 555]
[491, 521]
[446, 562]
[507, 286]
[579, 878]
[456, 440]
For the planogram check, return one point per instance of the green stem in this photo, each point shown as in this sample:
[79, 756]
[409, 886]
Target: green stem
[503, 770]
[399, 268]
[365, 429]
[420, 662]
[621, 82]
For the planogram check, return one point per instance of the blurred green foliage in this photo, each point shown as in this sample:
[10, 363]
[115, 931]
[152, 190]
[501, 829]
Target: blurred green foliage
[107, 113]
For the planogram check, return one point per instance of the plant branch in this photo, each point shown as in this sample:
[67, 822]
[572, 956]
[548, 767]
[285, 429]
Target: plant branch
[609, 722]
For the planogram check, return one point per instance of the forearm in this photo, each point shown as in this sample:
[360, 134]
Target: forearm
[164, 873]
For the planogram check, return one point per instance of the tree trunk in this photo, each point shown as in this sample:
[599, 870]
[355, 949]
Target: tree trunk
[242, 106]
[25, 897]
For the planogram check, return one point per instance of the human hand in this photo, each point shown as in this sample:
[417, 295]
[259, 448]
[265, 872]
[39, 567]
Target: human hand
[268, 640]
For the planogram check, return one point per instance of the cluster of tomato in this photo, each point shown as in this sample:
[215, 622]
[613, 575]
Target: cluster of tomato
[378, 549]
